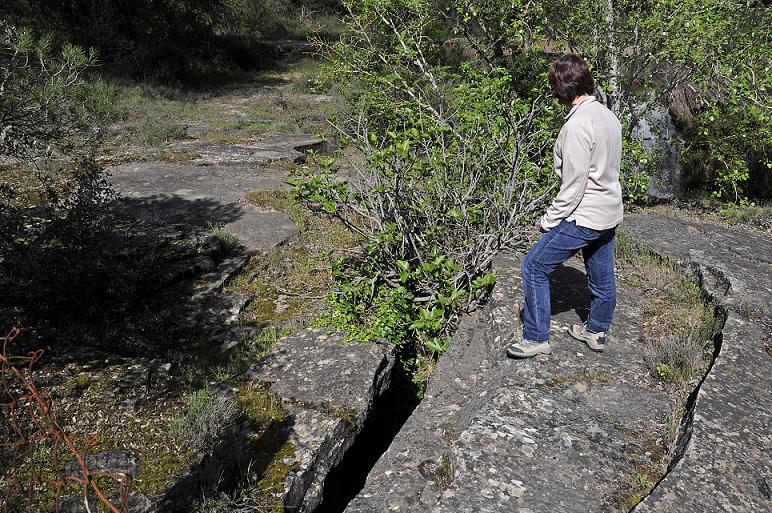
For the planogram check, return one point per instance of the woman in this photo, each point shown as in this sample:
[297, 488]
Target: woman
[583, 215]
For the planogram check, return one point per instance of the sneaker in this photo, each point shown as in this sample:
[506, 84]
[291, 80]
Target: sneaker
[595, 341]
[528, 349]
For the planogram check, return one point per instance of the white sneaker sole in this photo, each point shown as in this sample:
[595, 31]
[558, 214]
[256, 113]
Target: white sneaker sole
[515, 352]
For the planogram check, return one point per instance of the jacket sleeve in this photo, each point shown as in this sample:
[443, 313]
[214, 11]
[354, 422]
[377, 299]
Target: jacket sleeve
[576, 148]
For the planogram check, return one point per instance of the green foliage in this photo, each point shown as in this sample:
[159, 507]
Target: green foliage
[370, 310]
[51, 116]
[731, 134]
[733, 142]
[55, 226]
[638, 165]
[47, 107]
[457, 162]
[714, 52]
[448, 107]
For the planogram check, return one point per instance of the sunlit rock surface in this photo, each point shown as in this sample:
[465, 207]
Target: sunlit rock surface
[568, 432]
[727, 464]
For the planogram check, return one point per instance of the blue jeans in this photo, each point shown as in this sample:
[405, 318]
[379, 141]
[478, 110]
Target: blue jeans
[554, 248]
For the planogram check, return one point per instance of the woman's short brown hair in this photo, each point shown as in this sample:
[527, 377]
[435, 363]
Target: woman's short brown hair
[570, 77]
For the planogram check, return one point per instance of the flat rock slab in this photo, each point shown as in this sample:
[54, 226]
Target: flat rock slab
[329, 388]
[261, 151]
[730, 258]
[727, 464]
[565, 433]
[203, 197]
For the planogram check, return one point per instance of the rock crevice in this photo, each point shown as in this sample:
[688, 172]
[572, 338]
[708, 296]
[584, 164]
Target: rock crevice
[723, 462]
[576, 431]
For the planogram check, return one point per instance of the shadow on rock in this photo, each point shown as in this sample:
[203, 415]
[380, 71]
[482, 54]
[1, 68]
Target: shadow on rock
[167, 210]
[128, 287]
[569, 291]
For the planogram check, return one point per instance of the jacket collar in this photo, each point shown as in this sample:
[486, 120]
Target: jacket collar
[576, 107]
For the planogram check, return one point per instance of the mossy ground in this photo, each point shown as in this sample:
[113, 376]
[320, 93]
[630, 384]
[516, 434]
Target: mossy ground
[596, 377]
[288, 279]
[105, 406]
[271, 456]
[677, 323]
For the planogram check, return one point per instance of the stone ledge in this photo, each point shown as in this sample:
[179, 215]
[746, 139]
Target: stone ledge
[329, 388]
[203, 198]
[544, 435]
[260, 151]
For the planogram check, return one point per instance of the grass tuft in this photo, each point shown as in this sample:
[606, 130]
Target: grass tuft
[204, 419]
[230, 242]
[678, 323]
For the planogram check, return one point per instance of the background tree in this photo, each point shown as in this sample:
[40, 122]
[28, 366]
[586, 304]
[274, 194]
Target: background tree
[169, 40]
[51, 116]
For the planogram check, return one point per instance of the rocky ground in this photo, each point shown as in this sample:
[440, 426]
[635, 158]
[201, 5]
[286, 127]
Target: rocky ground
[578, 431]
[555, 433]
[724, 463]
[213, 394]
[193, 409]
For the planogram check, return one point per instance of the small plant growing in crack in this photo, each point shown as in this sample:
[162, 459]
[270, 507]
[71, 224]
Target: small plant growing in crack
[229, 241]
[204, 419]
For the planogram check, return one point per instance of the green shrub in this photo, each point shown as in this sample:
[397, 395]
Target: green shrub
[638, 165]
[51, 114]
[734, 141]
[230, 242]
[456, 164]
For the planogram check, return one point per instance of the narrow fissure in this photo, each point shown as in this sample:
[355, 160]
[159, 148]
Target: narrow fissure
[394, 407]
[685, 429]
[390, 412]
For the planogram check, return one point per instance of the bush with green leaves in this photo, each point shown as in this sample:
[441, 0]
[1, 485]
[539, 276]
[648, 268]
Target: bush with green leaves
[457, 164]
[450, 108]
[641, 54]
[732, 140]
[732, 131]
[638, 166]
[53, 195]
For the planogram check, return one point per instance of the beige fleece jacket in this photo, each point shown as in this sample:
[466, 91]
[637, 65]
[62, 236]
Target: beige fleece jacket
[588, 154]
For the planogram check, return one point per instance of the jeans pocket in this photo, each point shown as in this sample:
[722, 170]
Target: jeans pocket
[589, 232]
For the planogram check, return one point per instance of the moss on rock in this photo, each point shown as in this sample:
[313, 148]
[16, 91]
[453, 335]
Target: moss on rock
[159, 469]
